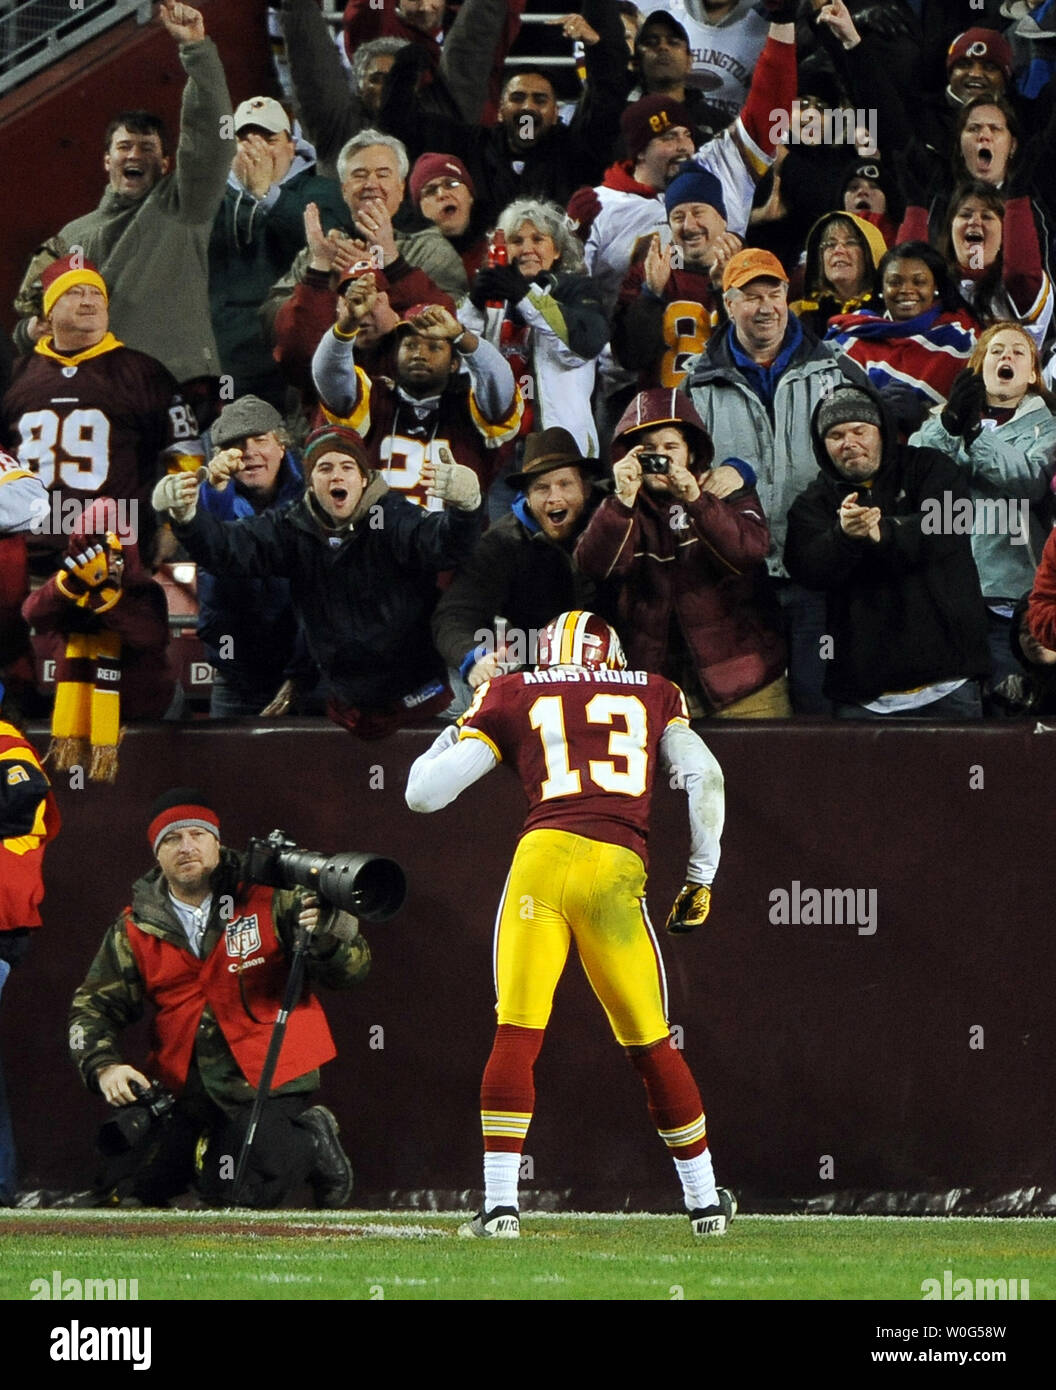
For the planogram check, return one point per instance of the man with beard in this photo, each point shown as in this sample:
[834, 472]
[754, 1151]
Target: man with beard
[522, 567]
[186, 944]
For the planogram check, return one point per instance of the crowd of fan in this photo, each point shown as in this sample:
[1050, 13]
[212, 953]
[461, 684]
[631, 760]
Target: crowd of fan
[747, 346]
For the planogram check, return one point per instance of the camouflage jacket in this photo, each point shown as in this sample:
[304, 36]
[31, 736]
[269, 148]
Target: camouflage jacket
[113, 993]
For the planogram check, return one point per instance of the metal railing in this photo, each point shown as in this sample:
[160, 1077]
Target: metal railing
[334, 14]
[36, 33]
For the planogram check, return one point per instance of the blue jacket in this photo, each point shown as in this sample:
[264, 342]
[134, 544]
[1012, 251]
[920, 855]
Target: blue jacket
[256, 614]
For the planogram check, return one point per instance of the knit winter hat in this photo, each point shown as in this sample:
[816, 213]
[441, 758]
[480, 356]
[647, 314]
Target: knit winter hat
[437, 166]
[246, 417]
[845, 405]
[179, 809]
[333, 439]
[981, 43]
[695, 185]
[649, 117]
[66, 272]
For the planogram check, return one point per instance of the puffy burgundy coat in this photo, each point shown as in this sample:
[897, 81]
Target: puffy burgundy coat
[700, 564]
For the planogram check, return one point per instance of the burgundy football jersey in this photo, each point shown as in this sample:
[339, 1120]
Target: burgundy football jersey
[584, 743]
[402, 434]
[93, 425]
[690, 317]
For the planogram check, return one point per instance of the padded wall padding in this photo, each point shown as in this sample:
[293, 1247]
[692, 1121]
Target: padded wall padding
[908, 1050]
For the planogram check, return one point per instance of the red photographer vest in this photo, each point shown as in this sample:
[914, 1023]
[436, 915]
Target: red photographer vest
[179, 985]
[22, 856]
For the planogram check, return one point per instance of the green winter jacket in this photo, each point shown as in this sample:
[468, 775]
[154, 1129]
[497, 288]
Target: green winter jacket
[153, 251]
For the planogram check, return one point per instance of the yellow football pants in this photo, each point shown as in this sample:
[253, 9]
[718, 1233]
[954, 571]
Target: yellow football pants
[563, 886]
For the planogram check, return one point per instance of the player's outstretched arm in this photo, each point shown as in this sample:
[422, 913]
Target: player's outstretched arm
[684, 755]
[446, 769]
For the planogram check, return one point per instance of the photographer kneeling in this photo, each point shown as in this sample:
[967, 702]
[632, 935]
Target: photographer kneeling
[209, 950]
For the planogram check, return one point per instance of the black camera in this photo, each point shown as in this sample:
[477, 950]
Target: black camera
[134, 1123]
[366, 885]
[655, 463]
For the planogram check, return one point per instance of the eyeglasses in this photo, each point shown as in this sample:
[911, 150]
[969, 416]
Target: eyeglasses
[441, 186]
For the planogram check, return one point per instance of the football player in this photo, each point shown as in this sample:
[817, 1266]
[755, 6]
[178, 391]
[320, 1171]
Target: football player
[586, 737]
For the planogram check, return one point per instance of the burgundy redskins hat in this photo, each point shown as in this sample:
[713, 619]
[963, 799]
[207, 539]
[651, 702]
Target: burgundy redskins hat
[981, 43]
[659, 406]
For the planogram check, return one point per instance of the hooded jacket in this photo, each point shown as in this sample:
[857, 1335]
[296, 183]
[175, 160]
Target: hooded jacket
[1008, 470]
[903, 612]
[253, 242]
[255, 614]
[153, 251]
[364, 592]
[692, 574]
[816, 309]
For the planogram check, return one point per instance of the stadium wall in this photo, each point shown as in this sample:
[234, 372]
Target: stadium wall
[899, 1061]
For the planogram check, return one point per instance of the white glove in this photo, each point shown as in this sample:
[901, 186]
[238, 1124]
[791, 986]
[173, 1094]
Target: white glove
[177, 494]
[453, 482]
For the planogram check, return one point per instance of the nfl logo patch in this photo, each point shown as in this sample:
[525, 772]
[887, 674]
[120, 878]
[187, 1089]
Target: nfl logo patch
[243, 937]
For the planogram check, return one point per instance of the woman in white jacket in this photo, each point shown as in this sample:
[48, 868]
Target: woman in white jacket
[546, 317]
[999, 426]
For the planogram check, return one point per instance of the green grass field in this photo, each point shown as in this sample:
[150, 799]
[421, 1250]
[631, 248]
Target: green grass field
[418, 1256]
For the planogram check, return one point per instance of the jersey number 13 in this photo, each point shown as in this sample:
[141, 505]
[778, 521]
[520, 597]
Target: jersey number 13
[626, 769]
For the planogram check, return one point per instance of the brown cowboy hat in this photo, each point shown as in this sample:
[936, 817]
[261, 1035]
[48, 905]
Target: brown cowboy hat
[550, 449]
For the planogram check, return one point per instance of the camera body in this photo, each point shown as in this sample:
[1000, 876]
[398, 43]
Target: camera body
[132, 1125]
[366, 885]
[655, 463]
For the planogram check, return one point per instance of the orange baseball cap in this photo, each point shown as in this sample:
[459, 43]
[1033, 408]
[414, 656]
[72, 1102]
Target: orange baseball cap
[751, 264]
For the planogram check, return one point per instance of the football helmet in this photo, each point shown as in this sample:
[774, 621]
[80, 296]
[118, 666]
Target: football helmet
[578, 638]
